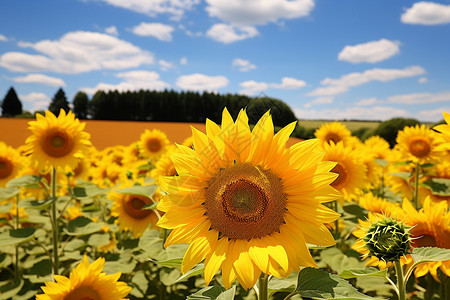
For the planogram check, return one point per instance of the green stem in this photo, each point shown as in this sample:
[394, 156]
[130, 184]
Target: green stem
[16, 264]
[401, 284]
[430, 287]
[263, 293]
[416, 186]
[55, 227]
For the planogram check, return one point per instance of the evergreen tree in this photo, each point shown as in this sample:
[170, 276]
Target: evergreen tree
[80, 105]
[59, 101]
[11, 104]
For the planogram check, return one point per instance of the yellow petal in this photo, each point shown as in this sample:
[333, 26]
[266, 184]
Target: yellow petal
[215, 259]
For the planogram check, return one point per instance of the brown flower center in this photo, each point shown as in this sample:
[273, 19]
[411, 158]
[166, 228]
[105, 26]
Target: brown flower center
[419, 147]
[245, 202]
[6, 167]
[133, 205]
[153, 145]
[83, 293]
[342, 178]
[332, 136]
[57, 143]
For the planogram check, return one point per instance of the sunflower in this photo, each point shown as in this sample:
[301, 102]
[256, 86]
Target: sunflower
[418, 144]
[430, 228]
[86, 281]
[245, 203]
[153, 144]
[333, 132]
[377, 145]
[57, 142]
[163, 167]
[131, 216]
[444, 130]
[379, 205]
[11, 163]
[350, 167]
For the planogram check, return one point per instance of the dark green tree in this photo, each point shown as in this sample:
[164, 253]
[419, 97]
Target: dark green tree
[389, 129]
[11, 105]
[59, 101]
[81, 105]
[281, 113]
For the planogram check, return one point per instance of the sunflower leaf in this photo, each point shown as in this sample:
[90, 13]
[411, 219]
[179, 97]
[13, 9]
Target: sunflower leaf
[428, 254]
[9, 192]
[381, 162]
[403, 175]
[35, 204]
[317, 284]
[150, 206]
[141, 190]
[174, 262]
[16, 236]
[82, 226]
[214, 292]
[26, 181]
[197, 270]
[438, 186]
[361, 272]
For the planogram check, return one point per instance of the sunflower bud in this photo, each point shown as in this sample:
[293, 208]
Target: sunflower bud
[388, 239]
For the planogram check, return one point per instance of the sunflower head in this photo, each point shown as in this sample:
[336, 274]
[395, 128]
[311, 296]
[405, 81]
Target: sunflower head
[333, 132]
[388, 239]
[418, 143]
[153, 144]
[11, 163]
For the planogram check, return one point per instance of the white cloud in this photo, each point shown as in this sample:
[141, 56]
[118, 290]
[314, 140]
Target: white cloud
[201, 82]
[112, 30]
[3, 38]
[165, 65]
[367, 101]
[183, 61]
[427, 13]
[370, 52]
[40, 78]
[227, 34]
[152, 8]
[77, 52]
[289, 83]
[423, 80]
[36, 101]
[160, 31]
[356, 113]
[433, 115]
[243, 65]
[319, 101]
[252, 87]
[258, 12]
[343, 84]
[420, 98]
[133, 81]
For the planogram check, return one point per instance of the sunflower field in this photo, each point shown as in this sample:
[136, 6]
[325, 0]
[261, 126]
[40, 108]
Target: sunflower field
[231, 213]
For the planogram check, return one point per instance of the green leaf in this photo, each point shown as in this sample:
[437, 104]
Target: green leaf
[125, 267]
[428, 254]
[16, 236]
[8, 193]
[82, 226]
[356, 211]
[35, 204]
[197, 270]
[79, 192]
[26, 181]
[361, 272]
[11, 289]
[146, 190]
[151, 206]
[317, 284]
[42, 268]
[174, 262]
[99, 239]
[438, 186]
[88, 189]
[286, 284]
[168, 276]
[381, 162]
[403, 175]
[214, 292]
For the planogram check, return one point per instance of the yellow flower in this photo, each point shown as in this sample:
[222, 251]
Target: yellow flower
[131, 216]
[153, 144]
[377, 145]
[430, 228]
[333, 132]
[86, 281]
[381, 206]
[57, 142]
[245, 203]
[418, 144]
[163, 167]
[11, 163]
[444, 130]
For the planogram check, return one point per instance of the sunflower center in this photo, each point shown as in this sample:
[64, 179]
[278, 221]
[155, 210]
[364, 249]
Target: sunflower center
[6, 168]
[133, 206]
[83, 293]
[425, 240]
[245, 202]
[154, 145]
[57, 144]
[342, 171]
[332, 136]
[419, 147]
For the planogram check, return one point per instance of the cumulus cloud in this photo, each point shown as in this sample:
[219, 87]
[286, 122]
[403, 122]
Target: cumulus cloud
[357, 113]
[77, 52]
[40, 78]
[258, 12]
[243, 65]
[3, 38]
[201, 82]
[420, 98]
[152, 8]
[345, 82]
[160, 31]
[319, 101]
[252, 87]
[427, 13]
[423, 80]
[183, 61]
[289, 83]
[227, 34]
[35, 101]
[370, 52]
[433, 115]
[165, 65]
[132, 81]
[367, 101]
[112, 30]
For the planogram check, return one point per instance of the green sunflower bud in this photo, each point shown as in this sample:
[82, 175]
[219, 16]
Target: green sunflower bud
[388, 239]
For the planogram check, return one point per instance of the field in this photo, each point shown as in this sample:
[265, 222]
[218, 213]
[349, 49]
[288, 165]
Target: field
[351, 125]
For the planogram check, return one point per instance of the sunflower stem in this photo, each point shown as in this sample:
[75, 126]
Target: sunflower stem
[401, 283]
[416, 186]
[263, 293]
[429, 292]
[55, 225]
[16, 263]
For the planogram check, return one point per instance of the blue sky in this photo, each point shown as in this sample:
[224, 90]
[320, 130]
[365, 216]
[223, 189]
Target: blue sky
[327, 59]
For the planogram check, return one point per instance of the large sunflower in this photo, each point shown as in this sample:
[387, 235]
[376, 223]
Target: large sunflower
[418, 143]
[86, 281]
[245, 203]
[11, 163]
[153, 144]
[57, 142]
[430, 228]
[333, 132]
